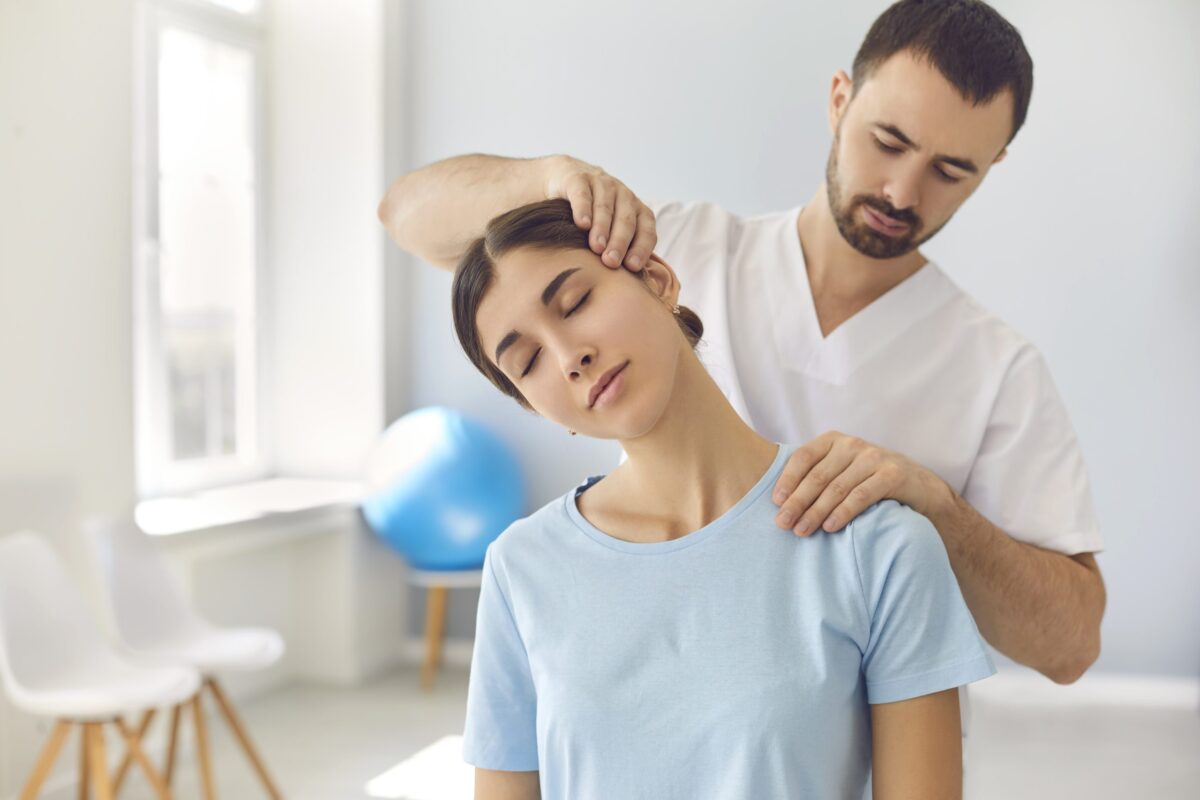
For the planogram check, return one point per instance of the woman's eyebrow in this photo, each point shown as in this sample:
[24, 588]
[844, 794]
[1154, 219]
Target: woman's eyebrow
[548, 293]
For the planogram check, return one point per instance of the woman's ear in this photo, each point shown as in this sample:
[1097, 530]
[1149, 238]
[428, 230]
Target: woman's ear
[661, 279]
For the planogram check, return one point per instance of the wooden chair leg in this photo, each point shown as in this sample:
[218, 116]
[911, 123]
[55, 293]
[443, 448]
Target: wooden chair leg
[435, 622]
[97, 764]
[202, 748]
[46, 760]
[239, 730]
[169, 768]
[134, 751]
[85, 776]
[119, 776]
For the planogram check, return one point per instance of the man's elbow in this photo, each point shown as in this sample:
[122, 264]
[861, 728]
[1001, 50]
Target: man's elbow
[1070, 670]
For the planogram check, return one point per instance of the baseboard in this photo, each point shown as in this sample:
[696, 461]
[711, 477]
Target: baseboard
[1020, 686]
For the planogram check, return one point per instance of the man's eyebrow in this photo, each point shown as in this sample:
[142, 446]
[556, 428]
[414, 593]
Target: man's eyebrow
[965, 164]
[547, 295]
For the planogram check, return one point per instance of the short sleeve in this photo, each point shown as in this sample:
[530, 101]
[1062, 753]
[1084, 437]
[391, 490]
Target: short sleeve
[1029, 477]
[501, 725]
[922, 638]
[702, 222]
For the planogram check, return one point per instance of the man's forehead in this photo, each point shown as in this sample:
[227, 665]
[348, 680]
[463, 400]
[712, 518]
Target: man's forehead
[911, 94]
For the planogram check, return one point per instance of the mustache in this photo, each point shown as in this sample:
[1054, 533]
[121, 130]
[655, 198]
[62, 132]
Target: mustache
[884, 207]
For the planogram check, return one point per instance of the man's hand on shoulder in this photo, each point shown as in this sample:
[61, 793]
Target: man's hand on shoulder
[622, 229]
[834, 478]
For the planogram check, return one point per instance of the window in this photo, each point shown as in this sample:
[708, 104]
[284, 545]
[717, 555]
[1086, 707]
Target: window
[199, 197]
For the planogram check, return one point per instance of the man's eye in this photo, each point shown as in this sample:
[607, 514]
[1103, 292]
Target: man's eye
[887, 148]
[531, 362]
[945, 176]
[582, 300]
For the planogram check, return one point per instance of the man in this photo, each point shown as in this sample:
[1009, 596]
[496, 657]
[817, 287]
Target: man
[952, 412]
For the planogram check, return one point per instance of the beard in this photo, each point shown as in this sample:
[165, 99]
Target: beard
[858, 234]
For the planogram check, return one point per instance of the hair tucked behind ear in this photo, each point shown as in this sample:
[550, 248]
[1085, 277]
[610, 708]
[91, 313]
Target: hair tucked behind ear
[546, 225]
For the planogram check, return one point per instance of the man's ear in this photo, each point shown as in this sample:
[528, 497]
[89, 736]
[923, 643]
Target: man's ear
[841, 91]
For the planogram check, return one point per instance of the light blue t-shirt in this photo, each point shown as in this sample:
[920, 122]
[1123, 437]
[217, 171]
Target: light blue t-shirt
[735, 662]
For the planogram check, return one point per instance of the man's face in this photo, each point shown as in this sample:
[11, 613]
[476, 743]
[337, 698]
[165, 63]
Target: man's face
[908, 150]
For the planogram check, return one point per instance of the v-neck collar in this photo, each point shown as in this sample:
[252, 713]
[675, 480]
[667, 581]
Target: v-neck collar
[835, 357]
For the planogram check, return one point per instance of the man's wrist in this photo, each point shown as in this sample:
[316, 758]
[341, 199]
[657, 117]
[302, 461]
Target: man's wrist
[941, 502]
[554, 169]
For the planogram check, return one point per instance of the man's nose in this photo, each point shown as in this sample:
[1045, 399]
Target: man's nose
[903, 187]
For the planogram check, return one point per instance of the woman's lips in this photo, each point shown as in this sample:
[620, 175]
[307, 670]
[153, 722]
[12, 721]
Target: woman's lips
[881, 223]
[611, 389]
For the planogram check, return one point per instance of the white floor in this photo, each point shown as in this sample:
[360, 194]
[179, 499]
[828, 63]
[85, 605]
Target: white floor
[327, 744]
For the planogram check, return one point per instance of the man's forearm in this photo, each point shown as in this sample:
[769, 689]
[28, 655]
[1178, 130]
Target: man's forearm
[436, 211]
[1038, 607]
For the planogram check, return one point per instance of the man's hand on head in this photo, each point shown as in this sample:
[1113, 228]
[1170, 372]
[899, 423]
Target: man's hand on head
[621, 227]
[834, 478]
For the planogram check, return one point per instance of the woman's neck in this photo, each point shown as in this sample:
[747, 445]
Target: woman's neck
[695, 464]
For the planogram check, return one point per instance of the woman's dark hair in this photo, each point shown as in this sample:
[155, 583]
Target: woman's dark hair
[976, 49]
[546, 225]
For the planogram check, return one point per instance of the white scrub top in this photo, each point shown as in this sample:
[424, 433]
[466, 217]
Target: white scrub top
[924, 370]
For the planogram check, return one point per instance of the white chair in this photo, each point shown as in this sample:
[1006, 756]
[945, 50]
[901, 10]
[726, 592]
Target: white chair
[54, 661]
[155, 625]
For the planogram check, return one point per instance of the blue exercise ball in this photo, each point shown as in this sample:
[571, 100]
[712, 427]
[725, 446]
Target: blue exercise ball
[440, 488]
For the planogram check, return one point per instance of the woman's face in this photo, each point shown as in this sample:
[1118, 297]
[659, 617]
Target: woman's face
[562, 321]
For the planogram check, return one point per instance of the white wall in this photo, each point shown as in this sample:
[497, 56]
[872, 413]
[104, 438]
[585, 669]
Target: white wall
[1083, 239]
[66, 436]
[66, 416]
[325, 146]
[65, 180]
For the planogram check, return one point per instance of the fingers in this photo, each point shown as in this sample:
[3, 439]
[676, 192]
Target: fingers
[624, 227]
[619, 226]
[833, 496]
[643, 241]
[799, 463]
[796, 510]
[579, 193]
[603, 198]
[875, 488]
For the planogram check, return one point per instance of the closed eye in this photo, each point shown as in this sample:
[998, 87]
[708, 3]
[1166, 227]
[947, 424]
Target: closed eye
[887, 148]
[942, 174]
[582, 300]
[945, 176]
[574, 308]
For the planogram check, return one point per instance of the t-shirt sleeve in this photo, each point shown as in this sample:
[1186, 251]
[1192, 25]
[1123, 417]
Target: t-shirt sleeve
[1029, 477]
[501, 726]
[922, 638]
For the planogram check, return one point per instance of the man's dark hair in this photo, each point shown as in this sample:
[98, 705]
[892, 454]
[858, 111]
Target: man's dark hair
[975, 48]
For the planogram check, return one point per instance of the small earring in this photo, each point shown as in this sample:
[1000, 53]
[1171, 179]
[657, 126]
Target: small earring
[675, 311]
[571, 432]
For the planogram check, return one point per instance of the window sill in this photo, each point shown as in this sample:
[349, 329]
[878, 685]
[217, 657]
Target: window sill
[271, 500]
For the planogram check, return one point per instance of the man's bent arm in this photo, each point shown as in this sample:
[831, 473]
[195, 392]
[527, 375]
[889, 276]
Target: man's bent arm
[435, 212]
[1038, 607]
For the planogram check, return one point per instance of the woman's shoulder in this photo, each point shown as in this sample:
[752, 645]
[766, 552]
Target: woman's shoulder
[889, 531]
[532, 532]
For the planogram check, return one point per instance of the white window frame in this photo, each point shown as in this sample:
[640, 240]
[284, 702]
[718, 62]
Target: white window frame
[157, 472]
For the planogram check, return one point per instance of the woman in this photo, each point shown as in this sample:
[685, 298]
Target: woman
[652, 633]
